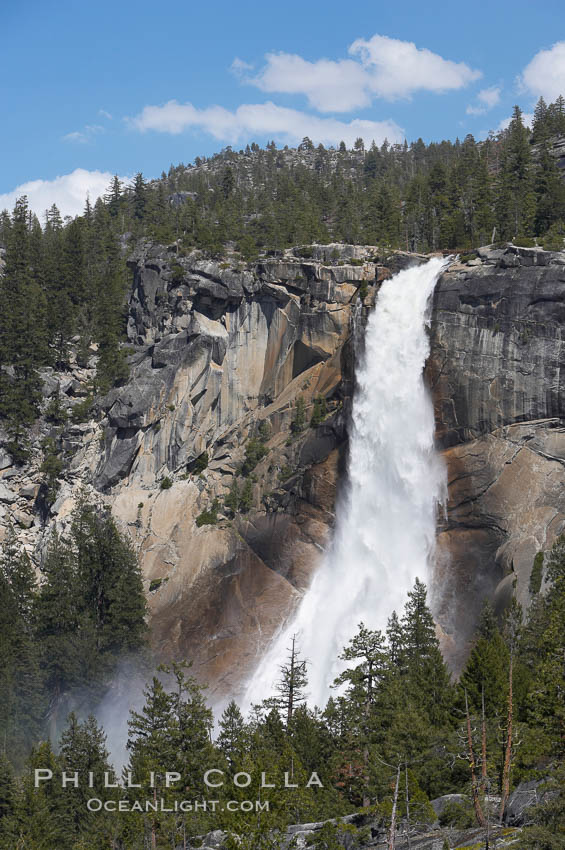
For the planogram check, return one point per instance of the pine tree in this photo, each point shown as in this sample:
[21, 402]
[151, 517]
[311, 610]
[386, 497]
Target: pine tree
[190, 729]
[550, 191]
[22, 335]
[62, 629]
[139, 197]
[43, 813]
[233, 737]
[83, 750]
[486, 671]
[149, 739]
[546, 705]
[21, 694]
[516, 199]
[540, 128]
[110, 581]
[428, 677]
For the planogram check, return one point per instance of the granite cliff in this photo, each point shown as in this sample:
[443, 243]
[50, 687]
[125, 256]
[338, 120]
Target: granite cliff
[496, 374]
[219, 354]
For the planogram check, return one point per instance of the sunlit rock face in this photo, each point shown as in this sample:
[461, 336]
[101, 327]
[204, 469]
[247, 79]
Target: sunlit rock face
[218, 350]
[496, 372]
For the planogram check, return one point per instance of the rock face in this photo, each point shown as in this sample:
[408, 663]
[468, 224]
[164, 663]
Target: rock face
[220, 353]
[496, 373]
[221, 350]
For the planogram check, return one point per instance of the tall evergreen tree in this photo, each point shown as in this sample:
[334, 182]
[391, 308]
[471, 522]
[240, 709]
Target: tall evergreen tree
[23, 341]
[516, 203]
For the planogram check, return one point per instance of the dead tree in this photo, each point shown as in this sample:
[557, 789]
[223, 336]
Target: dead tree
[392, 831]
[292, 683]
[505, 791]
[513, 626]
[471, 756]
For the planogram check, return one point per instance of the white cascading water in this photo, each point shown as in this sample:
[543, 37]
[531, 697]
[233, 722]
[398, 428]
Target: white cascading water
[386, 520]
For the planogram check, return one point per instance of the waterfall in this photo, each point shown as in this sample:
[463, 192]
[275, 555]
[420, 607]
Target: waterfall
[386, 519]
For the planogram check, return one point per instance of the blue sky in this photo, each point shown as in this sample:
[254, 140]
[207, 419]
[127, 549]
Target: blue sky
[90, 89]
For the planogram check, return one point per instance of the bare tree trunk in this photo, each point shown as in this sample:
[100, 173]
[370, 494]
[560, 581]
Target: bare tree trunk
[154, 824]
[508, 751]
[407, 806]
[484, 742]
[474, 790]
[484, 777]
[392, 833]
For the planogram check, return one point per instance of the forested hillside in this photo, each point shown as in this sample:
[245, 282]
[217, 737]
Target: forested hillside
[395, 716]
[66, 279]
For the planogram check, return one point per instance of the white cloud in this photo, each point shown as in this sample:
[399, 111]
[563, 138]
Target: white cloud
[104, 114]
[85, 135]
[75, 137]
[545, 74]
[68, 191]
[239, 67]
[329, 86]
[487, 99]
[262, 119]
[382, 67]
[400, 68]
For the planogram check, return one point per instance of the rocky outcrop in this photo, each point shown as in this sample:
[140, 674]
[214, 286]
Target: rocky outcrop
[496, 372]
[219, 354]
[363, 831]
[221, 349]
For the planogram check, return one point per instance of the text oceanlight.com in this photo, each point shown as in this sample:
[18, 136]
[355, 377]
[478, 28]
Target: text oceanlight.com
[97, 805]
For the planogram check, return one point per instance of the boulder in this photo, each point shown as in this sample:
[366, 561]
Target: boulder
[525, 796]
[6, 495]
[23, 519]
[29, 490]
[5, 459]
[439, 804]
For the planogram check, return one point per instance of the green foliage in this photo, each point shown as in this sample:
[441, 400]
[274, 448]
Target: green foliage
[255, 451]
[200, 464]
[209, 517]
[536, 575]
[320, 411]
[177, 272]
[55, 413]
[91, 607]
[554, 239]
[546, 821]
[72, 630]
[82, 410]
[459, 815]
[396, 707]
[246, 496]
[51, 467]
[166, 483]
[298, 421]
[232, 499]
